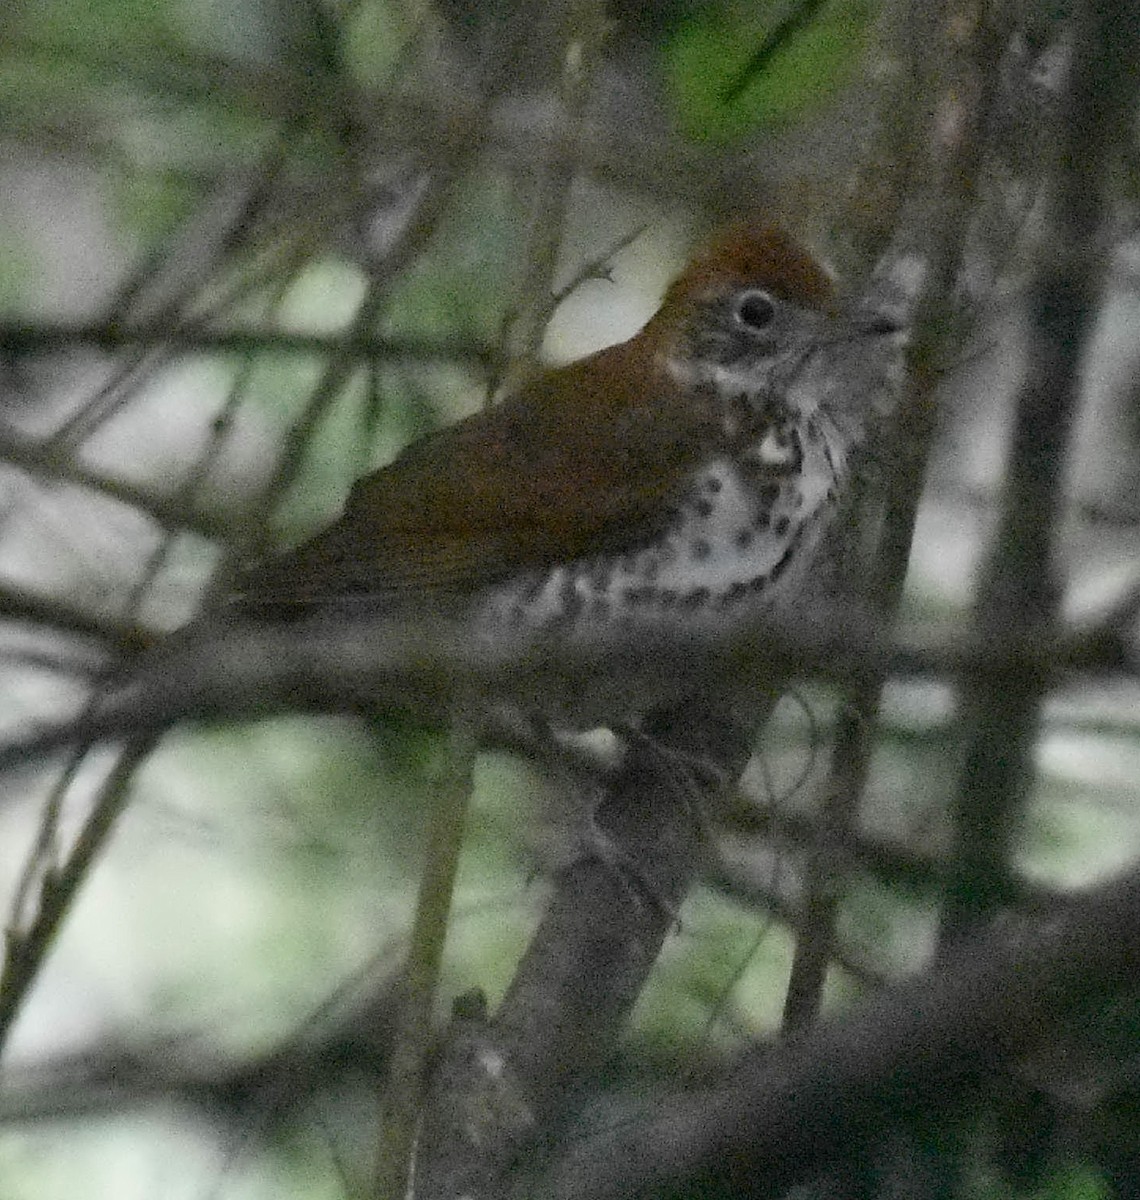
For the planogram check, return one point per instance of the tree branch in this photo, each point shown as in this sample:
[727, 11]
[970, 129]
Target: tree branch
[503, 1082]
[791, 1111]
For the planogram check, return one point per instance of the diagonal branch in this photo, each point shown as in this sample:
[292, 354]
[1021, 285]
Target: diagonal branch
[501, 1083]
[790, 1112]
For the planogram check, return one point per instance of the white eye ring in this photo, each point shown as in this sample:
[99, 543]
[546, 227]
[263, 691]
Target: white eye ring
[755, 309]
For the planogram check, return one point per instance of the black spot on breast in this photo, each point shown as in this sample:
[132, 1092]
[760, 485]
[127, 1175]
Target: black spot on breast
[784, 562]
[637, 595]
[713, 484]
[744, 538]
[703, 507]
[699, 549]
[599, 572]
[571, 600]
[738, 414]
[767, 494]
[533, 588]
[650, 570]
[780, 526]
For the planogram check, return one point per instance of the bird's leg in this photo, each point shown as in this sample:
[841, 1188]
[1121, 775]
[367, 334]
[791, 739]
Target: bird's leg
[623, 866]
[695, 775]
[688, 776]
[585, 768]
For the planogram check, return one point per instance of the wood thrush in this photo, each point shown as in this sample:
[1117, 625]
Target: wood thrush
[682, 479]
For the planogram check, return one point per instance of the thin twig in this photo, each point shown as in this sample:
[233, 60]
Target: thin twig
[597, 267]
[411, 1045]
[190, 272]
[551, 199]
[28, 948]
[34, 456]
[22, 337]
[799, 18]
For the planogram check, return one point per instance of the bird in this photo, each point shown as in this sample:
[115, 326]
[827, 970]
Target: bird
[589, 537]
[680, 482]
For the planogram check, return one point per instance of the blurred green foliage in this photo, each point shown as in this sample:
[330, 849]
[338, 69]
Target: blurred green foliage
[719, 99]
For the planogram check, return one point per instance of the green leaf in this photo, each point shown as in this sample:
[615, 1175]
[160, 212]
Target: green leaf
[736, 69]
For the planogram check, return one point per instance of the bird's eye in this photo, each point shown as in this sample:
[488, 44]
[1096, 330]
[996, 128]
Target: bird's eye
[755, 309]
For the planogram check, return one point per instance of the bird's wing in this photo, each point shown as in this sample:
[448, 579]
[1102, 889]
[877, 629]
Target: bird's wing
[584, 458]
